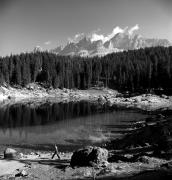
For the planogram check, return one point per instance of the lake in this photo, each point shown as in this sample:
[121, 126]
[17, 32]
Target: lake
[66, 124]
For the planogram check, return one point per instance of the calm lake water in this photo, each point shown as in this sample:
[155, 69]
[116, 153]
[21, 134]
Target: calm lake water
[72, 124]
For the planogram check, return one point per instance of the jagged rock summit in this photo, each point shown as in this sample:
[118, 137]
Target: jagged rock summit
[96, 44]
[37, 49]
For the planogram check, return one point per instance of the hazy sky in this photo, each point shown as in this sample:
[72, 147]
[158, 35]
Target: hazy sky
[48, 23]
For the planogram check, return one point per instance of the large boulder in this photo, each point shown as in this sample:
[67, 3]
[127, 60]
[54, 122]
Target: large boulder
[10, 153]
[89, 156]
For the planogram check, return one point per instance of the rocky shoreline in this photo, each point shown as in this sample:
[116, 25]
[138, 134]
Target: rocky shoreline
[36, 94]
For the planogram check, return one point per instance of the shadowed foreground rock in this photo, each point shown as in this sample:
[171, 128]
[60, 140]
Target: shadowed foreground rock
[89, 156]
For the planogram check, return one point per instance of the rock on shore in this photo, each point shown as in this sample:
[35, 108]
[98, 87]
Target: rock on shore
[10, 153]
[89, 156]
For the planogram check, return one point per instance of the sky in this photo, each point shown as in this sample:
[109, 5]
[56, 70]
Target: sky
[25, 24]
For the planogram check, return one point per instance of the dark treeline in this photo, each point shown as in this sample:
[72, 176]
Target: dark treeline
[131, 70]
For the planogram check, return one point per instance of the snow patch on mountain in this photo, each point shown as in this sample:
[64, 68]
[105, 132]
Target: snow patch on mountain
[135, 28]
[96, 37]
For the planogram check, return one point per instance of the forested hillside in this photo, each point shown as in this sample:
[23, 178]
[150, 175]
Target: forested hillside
[132, 70]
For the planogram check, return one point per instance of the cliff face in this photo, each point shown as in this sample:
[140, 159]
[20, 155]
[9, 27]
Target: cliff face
[100, 45]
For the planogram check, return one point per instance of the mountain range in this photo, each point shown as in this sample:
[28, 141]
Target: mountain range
[96, 44]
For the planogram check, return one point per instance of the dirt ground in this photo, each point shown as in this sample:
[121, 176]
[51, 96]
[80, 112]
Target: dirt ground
[40, 165]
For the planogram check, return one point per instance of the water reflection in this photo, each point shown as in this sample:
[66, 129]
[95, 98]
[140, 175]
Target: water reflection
[21, 115]
[63, 123]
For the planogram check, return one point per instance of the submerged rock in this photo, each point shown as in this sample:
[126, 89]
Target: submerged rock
[10, 153]
[155, 137]
[89, 156]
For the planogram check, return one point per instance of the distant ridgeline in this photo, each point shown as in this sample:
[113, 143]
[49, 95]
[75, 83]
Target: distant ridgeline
[131, 70]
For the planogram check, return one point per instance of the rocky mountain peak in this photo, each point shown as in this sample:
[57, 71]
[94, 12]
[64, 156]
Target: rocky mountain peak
[119, 39]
